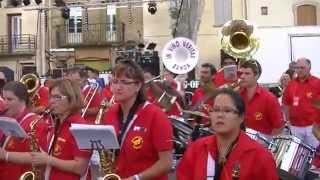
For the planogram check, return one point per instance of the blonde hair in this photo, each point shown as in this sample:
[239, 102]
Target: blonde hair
[72, 90]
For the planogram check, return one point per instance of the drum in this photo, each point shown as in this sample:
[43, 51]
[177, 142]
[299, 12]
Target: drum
[182, 132]
[258, 137]
[201, 130]
[292, 157]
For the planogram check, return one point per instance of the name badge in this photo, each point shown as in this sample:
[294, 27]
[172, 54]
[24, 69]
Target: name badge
[296, 101]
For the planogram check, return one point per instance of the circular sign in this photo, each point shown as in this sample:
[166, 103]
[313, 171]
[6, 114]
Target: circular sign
[180, 55]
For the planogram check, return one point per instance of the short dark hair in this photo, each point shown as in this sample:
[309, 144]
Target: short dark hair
[18, 89]
[212, 68]
[82, 72]
[254, 65]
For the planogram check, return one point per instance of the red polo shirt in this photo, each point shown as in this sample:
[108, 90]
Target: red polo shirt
[95, 102]
[65, 147]
[263, 112]
[14, 171]
[299, 96]
[255, 161]
[149, 134]
[198, 95]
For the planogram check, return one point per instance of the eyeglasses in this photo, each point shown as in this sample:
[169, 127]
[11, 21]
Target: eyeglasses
[122, 82]
[57, 97]
[226, 110]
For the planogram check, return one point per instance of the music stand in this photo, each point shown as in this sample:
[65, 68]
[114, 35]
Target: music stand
[95, 137]
[10, 127]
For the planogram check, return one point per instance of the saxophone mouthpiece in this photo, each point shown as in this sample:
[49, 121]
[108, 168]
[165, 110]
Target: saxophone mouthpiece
[236, 171]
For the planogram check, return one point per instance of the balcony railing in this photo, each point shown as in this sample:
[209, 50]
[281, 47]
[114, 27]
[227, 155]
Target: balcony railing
[23, 44]
[90, 35]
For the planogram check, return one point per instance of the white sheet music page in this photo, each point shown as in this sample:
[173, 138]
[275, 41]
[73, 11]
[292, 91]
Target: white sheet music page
[10, 127]
[99, 135]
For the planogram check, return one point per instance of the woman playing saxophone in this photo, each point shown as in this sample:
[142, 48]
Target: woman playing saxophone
[15, 158]
[144, 131]
[64, 159]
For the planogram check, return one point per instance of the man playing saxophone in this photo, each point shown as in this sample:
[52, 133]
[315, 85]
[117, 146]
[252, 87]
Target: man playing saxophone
[15, 158]
[143, 129]
[64, 159]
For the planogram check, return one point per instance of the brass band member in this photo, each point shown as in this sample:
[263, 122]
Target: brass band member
[65, 160]
[263, 112]
[202, 98]
[14, 155]
[93, 98]
[144, 130]
[230, 153]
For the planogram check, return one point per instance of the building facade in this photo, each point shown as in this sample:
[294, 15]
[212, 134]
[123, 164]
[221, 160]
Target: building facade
[263, 13]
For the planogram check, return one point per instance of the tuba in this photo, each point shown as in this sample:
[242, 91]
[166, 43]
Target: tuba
[32, 83]
[239, 39]
[35, 173]
[106, 156]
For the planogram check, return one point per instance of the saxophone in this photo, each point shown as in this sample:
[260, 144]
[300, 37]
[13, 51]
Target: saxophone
[106, 156]
[35, 173]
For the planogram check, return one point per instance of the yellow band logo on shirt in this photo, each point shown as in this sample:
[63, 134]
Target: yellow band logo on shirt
[309, 94]
[258, 116]
[57, 150]
[137, 142]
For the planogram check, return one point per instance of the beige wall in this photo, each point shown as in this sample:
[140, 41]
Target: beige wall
[29, 19]
[280, 12]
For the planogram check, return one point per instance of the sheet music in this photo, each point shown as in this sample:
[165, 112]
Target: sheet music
[102, 135]
[10, 127]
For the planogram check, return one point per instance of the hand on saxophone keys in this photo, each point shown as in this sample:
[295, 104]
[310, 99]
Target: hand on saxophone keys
[40, 158]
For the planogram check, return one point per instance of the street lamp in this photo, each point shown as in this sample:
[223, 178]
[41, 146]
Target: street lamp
[152, 9]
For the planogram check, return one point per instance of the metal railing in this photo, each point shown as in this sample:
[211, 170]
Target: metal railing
[90, 35]
[18, 44]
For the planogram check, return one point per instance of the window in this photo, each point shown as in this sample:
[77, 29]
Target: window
[222, 11]
[15, 29]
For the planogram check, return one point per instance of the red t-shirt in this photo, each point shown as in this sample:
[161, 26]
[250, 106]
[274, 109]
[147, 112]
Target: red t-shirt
[199, 95]
[255, 161]
[149, 134]
[106, 92]
[299, 96]
[95, 102]
[65, 147]
[43, 96]
[263, 112]
[13, 144]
